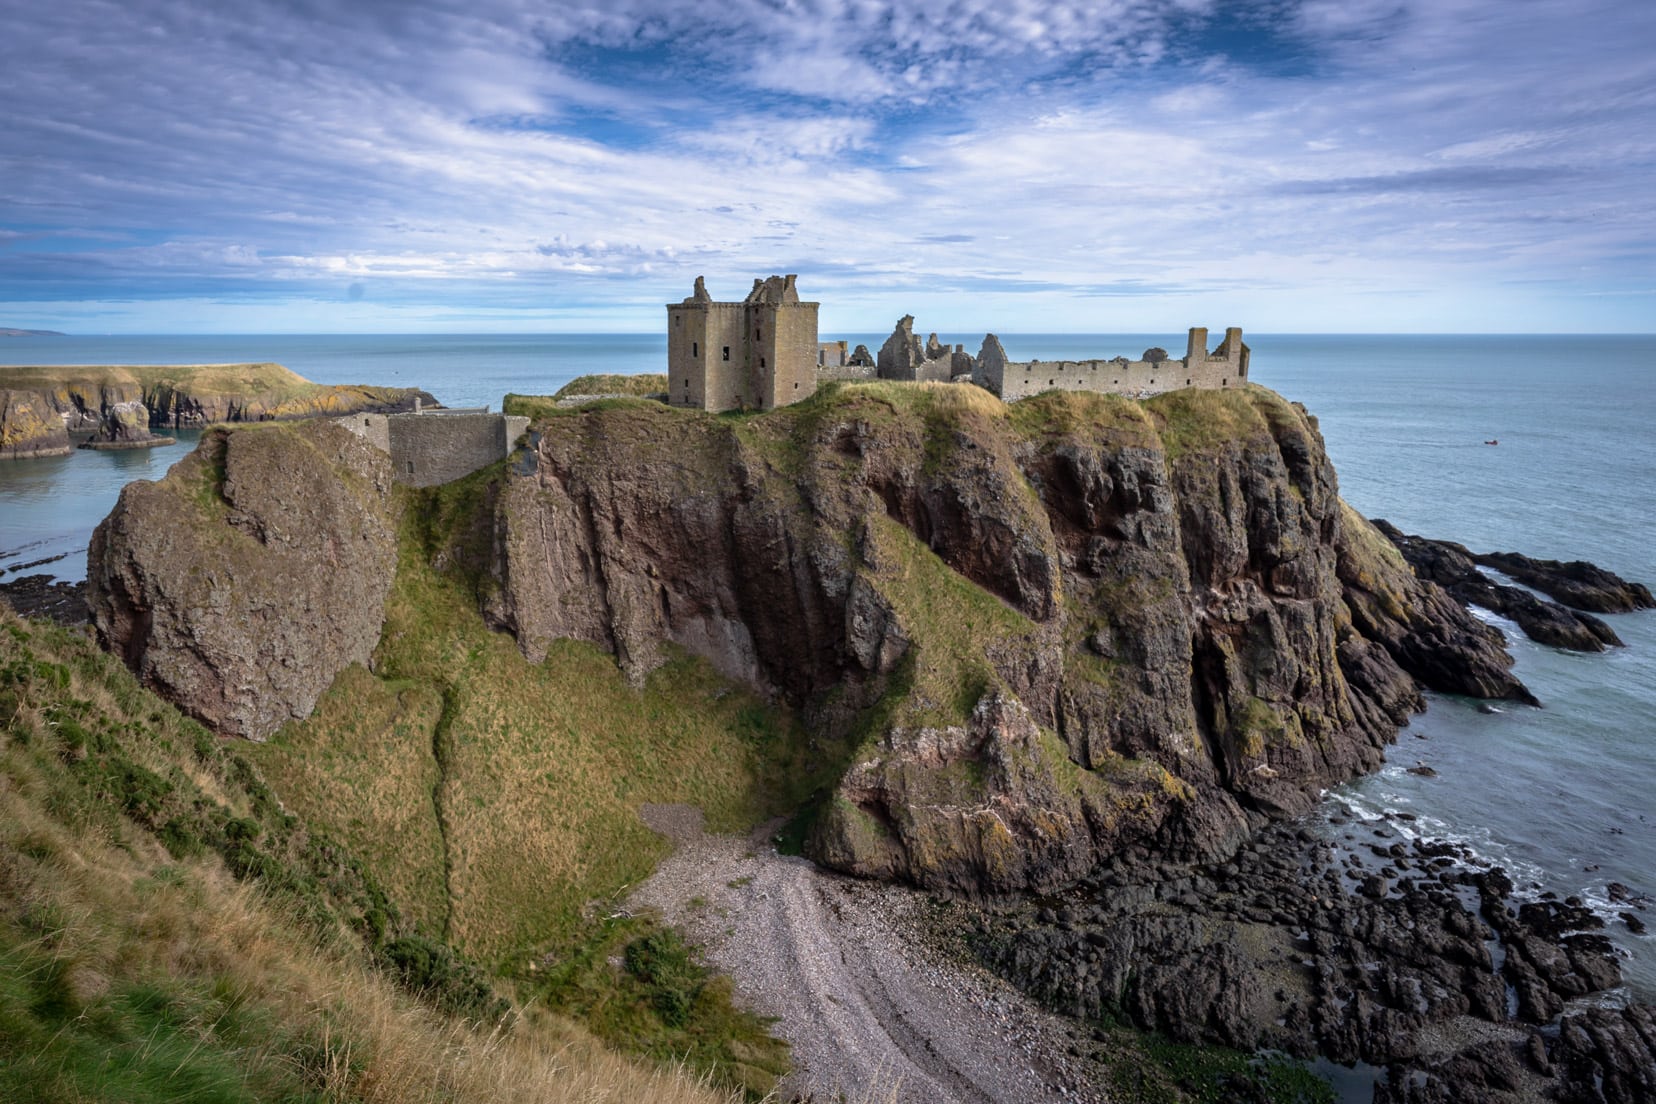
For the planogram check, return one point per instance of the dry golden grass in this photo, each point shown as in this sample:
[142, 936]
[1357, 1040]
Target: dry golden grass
[260, 378]
[101, 928]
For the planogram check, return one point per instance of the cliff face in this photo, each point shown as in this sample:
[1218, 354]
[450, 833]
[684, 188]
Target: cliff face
[118, 403]
[30, 426]
[243, 582]
[1054, 631]
[1050, 632]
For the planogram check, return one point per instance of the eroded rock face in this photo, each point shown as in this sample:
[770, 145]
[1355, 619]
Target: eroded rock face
[242, 583]
[29, 426]
[1055, 637]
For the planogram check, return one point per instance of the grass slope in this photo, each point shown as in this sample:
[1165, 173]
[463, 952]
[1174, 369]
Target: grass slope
[522, 779]
[169, 932]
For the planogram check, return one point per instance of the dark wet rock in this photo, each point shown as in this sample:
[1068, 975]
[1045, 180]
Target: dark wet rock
[1454, 568]
[1282, 950]
[41, 596]
[1577, 584]
[1624, 894]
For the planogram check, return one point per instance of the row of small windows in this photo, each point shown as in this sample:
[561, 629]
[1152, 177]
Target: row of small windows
[695, 351]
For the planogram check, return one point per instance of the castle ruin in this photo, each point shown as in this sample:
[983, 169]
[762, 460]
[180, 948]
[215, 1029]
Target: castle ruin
[763, 353]
[432, 446]
[758, 354]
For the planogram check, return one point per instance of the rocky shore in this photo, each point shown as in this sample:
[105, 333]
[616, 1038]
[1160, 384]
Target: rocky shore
[1575, 587]
[1349, 941]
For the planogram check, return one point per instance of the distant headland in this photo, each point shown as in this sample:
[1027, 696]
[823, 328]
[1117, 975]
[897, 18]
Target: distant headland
[7, 331]
[44, 409]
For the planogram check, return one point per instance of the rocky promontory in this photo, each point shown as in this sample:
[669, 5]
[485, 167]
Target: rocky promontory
[1041, 634]
[43, 409]
[240, 584]
[1080, 662]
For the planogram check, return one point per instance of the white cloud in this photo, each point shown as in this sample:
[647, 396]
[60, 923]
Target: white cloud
[875, 147]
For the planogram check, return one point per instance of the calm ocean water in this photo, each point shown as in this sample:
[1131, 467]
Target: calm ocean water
[1549, 792]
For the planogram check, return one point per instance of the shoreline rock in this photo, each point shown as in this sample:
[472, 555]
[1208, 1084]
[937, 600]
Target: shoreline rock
[1455, 568]
[1414, 958]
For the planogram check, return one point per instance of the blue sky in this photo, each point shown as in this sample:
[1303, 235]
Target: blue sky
[1110, 166]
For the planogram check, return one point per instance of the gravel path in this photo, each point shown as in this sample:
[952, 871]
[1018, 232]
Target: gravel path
[869, 1006]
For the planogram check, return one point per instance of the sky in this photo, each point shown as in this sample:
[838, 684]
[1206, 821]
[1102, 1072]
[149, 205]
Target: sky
[267, 166]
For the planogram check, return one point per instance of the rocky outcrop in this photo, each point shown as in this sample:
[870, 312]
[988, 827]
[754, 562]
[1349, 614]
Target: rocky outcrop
[1577, 584]
[242, 583]
[114, 404]
[30, 426]
[125, 425]
[1051, 636]
[1455, 569]
[1356, 946]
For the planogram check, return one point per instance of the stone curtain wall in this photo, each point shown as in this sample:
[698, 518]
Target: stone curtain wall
[1224, 368]
[432, 448]
[428, 449]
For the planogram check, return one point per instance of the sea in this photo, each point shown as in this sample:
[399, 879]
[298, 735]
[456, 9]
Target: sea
[1543, 445]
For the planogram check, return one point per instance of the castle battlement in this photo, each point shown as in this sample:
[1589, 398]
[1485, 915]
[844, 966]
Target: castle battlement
[763, 353]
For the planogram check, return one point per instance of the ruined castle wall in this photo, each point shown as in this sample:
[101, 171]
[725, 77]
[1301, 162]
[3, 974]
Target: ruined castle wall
[1133, 377]
[373, 428]
[792, 376]
[729, 383]
[847, 372]
[428, 449]
[686, 355]
[431, 448]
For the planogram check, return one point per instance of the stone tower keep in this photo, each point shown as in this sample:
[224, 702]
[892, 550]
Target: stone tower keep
[757, 354]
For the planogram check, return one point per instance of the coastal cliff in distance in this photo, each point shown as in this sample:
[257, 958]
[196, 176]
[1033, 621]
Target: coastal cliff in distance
[1041, 634]
[42, 408]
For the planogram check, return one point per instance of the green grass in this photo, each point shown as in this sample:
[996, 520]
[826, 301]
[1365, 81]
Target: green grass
[1150, 1069]
[117, 807]
[639, 987]
[138, 1042]
[950, 620]
[1194, 420]
[539, 768]
[640, 385]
